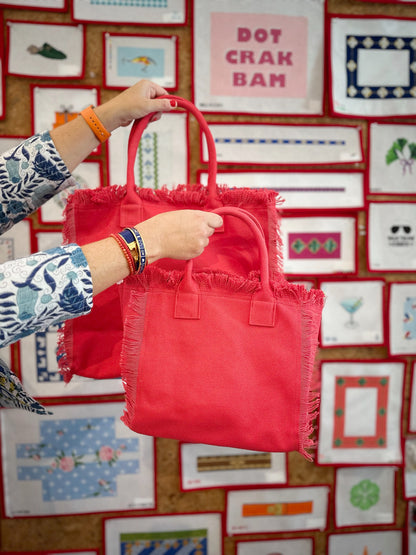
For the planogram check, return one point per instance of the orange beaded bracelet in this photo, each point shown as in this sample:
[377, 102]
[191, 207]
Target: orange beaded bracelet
[95, 124]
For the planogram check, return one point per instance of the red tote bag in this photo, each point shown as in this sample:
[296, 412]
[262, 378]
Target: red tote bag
[90, 345]
[217, 358]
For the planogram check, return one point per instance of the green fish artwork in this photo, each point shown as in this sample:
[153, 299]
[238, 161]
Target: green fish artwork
[47, 51]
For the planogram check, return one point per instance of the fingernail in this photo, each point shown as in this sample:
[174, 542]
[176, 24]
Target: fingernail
[173, 103]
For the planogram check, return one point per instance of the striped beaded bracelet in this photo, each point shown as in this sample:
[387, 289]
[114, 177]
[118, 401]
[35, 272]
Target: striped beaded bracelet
[135, 246]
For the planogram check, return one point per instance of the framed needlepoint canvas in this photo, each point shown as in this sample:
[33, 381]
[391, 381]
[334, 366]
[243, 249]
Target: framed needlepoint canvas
[79, 459]
[353, 313]
[366, 543]
[402, 312]
[360, 414]
[192, 533]
[262, 58]
[293, 546]
[372, 66]
[129, 58]
[48, 5]
[411, 426]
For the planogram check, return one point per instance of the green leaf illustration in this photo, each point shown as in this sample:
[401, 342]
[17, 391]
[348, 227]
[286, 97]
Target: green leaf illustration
[398, 146]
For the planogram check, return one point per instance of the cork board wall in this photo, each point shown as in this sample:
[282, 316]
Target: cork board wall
[85, 531]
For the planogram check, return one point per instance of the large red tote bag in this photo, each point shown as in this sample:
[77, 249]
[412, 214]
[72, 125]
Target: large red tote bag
[218, 358]
[90, 345]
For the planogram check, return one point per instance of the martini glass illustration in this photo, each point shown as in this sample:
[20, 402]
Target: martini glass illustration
[351, 305]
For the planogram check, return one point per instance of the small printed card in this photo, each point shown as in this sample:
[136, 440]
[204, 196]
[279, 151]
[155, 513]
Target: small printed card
[360, 413]
[277, 510]
[162, 156]
[196, 533]
[372, 66]
[353, 313]
[46, 50]
[319, 245]
[253, 143]
[391, 160]
[402, 318]
[207, 466]
[366, 543]
[80, 459]
[254, 58]
[295, 546]
[129, 58]
[301, 190]
[392, 236]
[365, 496]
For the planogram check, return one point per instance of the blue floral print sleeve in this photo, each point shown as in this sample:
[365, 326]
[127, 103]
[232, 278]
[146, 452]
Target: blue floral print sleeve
[43, 288]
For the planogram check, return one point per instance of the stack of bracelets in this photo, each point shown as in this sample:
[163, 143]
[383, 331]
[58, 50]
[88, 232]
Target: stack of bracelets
[131, 243]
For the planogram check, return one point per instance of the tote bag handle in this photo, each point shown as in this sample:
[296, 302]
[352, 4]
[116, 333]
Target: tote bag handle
[137, 131]
[263, 305]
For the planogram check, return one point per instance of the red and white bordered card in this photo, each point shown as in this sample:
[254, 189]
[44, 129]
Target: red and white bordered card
[47, 5]
[277, 510]
[402, 314]
[319, 245]
[128, 58]
[208, 466]
[392, 236]
[301, 190]
[131, 12]
[268, 143]
[262, 59]
[292, 546]
[353, 313]
[157, 534]
[363, 543]
[45, 50]
[371, 66]
[80, 459]
[392, 156]
[409, 471]
[365, 496]
[360, 413]
[411, 424]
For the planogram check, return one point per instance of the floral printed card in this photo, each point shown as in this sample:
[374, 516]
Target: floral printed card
[295, 546]
[372, 66]
[301, 190]
[256, 58]
[46, 50]
[392, 236]
[402, 318]
[365, 496]
[320, 246]
[360, 413]
[131, 12]
[129, 58]
[392, 159]
[193, 534]
[366, 543]
[162, 156]
[87, 175]
[353, 313]
[207, 466]
[277, 510]
[254, 143]
[80, 459]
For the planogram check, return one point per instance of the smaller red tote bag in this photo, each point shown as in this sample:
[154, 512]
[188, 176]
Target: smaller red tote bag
[219, 358]
[90, 345]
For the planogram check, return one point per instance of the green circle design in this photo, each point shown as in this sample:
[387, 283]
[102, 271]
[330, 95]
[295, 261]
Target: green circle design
[364, 495]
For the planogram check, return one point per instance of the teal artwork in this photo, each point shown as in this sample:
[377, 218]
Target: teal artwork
[140, 62]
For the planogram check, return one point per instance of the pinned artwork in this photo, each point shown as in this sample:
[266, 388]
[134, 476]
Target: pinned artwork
[320, 246]
[129, 58]
[293, 546]
[162, 156]
[266, 59]
[16, 242]
[365, 496]
[402, 318]
[277, 510]
[196, 534]
[411, 427]
[372, 66]
[392, 159]
[392, 236]
[366, 543]
[55, 5]
[254, 143]
[410, 467]
[411, 528]
[207, 466]
[45, 50]
[360, 414]
[353, 313]
[80, 459]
